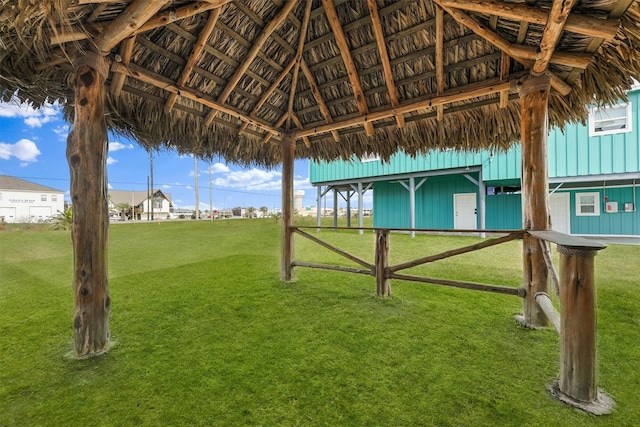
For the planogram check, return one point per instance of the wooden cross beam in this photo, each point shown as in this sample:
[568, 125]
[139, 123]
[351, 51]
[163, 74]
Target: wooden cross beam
[296, 69]
[552, 31]
[345, 52]
[384, 58]
[198, 47]
[440, 58]
[251, 55]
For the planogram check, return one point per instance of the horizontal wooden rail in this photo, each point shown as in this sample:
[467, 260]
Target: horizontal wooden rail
[334, 249]
[549, 310]
[458, 284]
[333, 267]
[454, 252]
[518, 233]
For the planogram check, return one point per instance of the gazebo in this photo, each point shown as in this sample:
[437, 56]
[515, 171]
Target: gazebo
[261, 82]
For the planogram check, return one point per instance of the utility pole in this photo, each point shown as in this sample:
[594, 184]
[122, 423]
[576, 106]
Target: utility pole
[151, 175]
[148, 198]
[195, 172]
[210, 195]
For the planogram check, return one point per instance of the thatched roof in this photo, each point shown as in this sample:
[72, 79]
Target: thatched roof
[191, 75]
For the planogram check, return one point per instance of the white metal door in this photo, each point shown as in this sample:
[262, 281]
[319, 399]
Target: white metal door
[560, 212]
[465, 211]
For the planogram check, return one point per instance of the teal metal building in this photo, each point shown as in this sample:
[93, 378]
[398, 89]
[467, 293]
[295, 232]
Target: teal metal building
[594, 181]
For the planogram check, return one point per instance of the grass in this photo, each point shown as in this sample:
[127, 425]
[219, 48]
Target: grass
[206, 334]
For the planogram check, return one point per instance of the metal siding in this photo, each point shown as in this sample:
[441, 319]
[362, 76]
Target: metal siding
[504, 212]
[390, 205]
[620, 223]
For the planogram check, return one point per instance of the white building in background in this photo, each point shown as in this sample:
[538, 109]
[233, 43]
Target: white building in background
[297, 200]
[25, 201]
[159, 203]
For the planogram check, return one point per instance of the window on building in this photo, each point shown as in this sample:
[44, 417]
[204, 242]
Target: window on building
[0, 197]
[157, 202]
[43, 197]
[587, 204]
[369, 157]
[54, 197]
[609, 120]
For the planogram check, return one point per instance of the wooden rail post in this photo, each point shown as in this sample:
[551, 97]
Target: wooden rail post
[383, 286]
[288, 154]
[577, 385]
[535, 192]
[87, 155]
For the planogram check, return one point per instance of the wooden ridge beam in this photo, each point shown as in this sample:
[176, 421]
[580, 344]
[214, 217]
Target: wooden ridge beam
[126, 50]
[505, 64]
[139, 73]
[315, 91]
[384, 58]
[198, 47]
[296, 69]
[513, 51]
[579, 24]
[251, 55]
[452, 95]
[345, 52]
[133, 17]
[439, 58]
[560, 11]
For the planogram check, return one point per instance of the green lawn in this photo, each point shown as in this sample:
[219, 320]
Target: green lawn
[206, 334]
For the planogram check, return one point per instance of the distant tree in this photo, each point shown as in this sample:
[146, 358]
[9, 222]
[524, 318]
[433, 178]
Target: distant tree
[250, 211]
[264, 211]
[123, 209]
[64, 220]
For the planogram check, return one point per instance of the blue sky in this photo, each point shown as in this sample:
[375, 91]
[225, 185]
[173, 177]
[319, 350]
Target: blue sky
[33, 145]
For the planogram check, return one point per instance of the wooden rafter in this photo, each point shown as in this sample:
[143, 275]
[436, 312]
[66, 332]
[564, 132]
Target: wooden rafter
[560, 11]
[276, 125]
[513, 51]
[138, 73]
[440, 58]
[134, 16]
[251, 55]
[126, 50]
[505, 64]
[267, 93]
[298, 123]
[345, 52]
[579, 24]
[296, 69]
[315, 91]
[452, 95]
[384, 58]
[198, 47]
[78, 33]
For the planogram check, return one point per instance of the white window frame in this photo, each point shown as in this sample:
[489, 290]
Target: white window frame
[598, 115]
[43, 197]
[369, 157]
[596, 204]
[54, 197]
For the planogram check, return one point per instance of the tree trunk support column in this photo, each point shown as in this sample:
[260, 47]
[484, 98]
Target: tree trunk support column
[535, 193]
[577, 385]
[288, 154]
[86, 155]
[383, 286]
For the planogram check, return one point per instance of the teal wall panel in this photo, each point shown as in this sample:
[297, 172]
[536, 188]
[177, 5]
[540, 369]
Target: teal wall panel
[504, 212]
[620, 223]
[390, 205]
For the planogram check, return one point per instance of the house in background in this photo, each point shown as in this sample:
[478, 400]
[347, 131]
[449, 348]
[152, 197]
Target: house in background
[159, 204]
[594, 181]
[25, 201]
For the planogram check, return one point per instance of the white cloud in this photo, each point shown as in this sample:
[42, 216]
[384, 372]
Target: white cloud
[115, 146]
[25, 150]
[165, 186]
[109, 186]
[32, 117]
[111, 160]
[253, 179]
[220, 168]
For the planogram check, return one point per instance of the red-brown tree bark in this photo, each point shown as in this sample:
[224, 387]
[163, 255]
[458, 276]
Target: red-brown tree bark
[86, 154]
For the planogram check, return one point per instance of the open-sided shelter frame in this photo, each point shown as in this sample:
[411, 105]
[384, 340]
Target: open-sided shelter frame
[260, 82]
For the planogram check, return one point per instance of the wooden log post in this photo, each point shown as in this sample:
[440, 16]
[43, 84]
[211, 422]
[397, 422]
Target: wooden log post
[86, 155]
[535, 193]
[288, 154]
[577, 385]
[383, 283]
